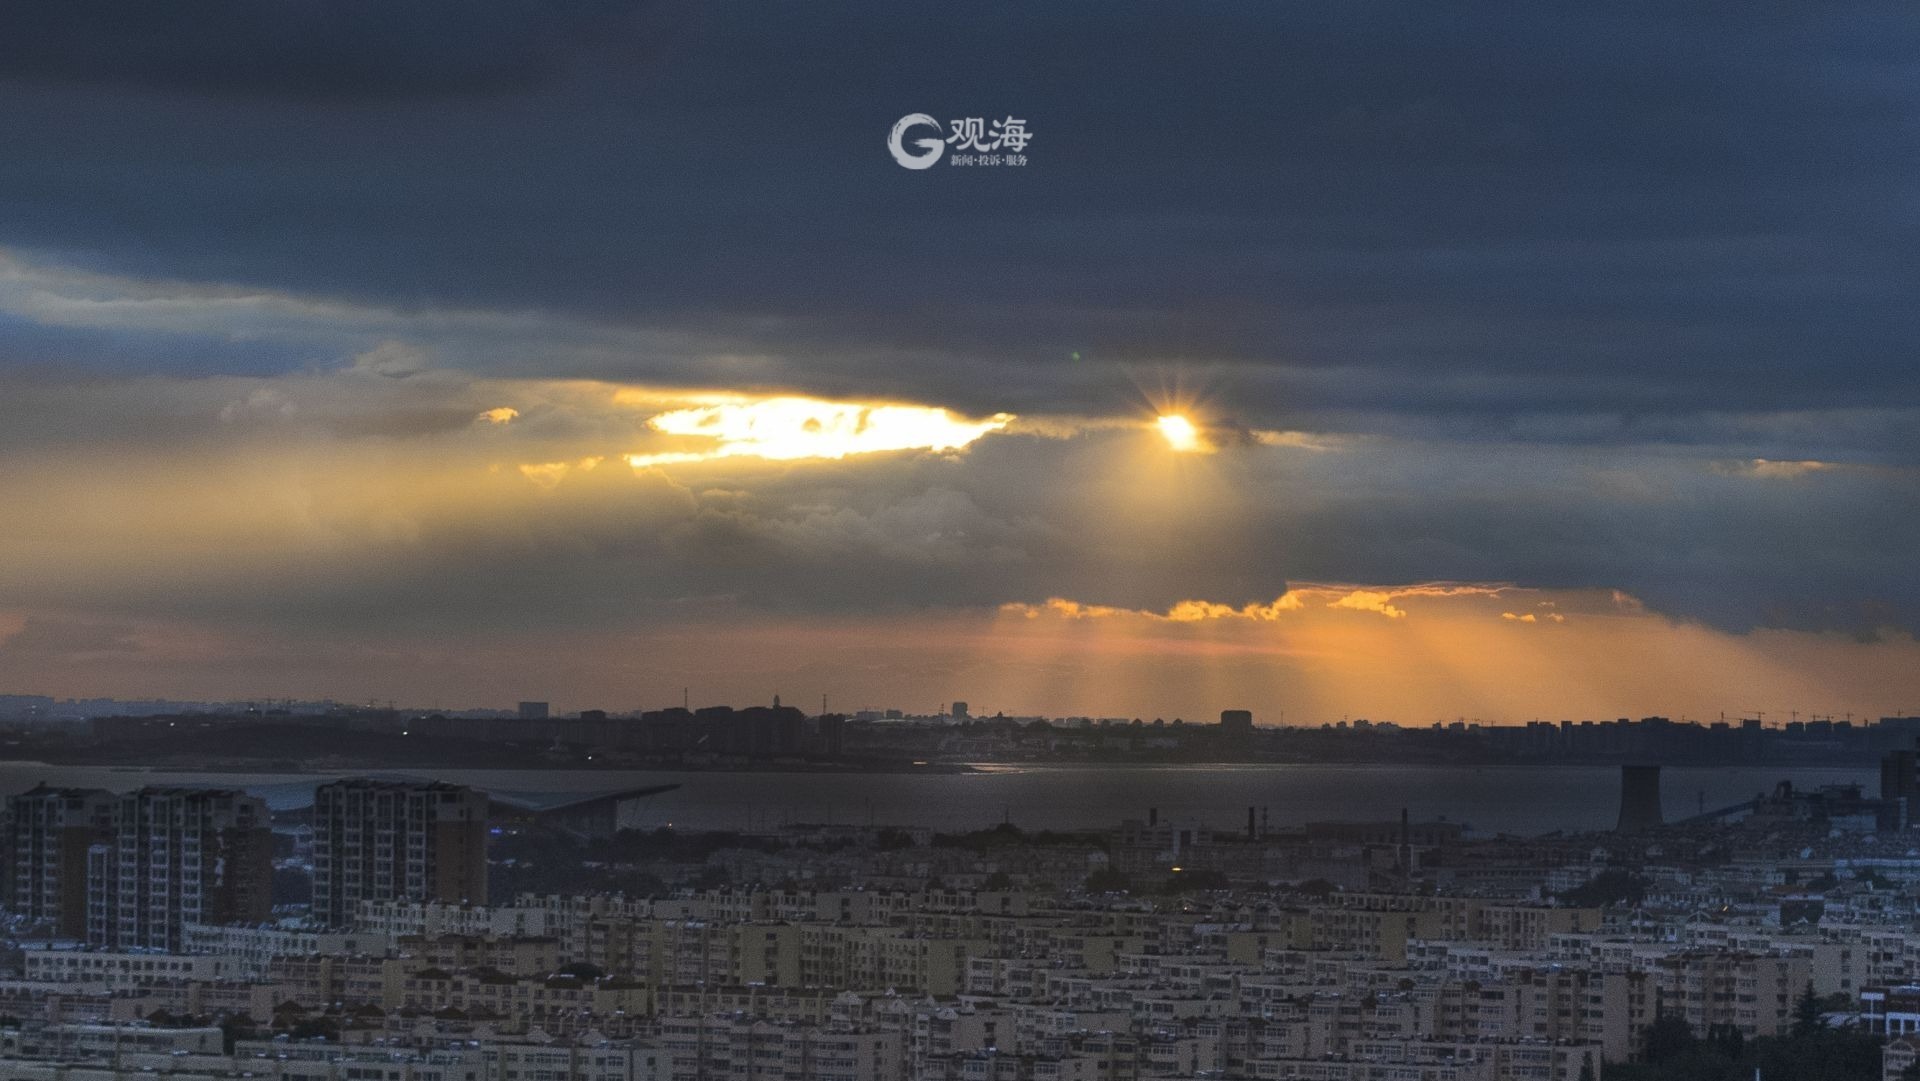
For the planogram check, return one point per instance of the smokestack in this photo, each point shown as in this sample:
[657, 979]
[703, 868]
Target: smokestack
[1404, 857]
[1896, 774]
[1899, 784]
[1153, 816]
[1639, 799]
[1253, 829]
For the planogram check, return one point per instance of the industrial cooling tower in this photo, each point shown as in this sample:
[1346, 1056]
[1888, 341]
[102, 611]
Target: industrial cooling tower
[1639, 798]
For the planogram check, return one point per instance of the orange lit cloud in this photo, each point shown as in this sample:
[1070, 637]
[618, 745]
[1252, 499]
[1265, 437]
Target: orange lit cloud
[548, 474]
[504, 414]
[1371, 600]
[1320, 653]
[1376, 599]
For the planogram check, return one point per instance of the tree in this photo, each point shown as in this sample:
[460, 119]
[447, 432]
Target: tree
[1818, 1053]
[892, 840]
[1806, 1012]
[1668, 1037]
[1728, 1040]
[1315, 887]
[1613, 886]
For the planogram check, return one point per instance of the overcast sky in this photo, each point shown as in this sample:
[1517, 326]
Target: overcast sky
[336, 341]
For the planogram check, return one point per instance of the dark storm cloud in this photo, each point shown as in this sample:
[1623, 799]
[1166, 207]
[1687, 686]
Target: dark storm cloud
[1643, 237]
[1668, 209]
[343, 49]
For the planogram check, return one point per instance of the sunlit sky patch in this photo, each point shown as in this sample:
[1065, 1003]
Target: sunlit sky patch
[793, 427]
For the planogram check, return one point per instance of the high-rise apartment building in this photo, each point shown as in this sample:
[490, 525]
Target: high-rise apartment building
[49, 831]
[178, 856]
[384, 840]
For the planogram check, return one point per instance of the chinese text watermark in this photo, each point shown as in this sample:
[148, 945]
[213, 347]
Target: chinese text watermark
[973, 140]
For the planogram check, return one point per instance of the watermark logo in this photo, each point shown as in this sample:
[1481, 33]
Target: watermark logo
[930, 149]
[975, 141]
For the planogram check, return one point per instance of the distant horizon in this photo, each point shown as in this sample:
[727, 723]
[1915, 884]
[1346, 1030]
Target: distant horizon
[278, 704]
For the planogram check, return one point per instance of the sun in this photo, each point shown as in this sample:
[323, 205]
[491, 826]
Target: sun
[1179, 432]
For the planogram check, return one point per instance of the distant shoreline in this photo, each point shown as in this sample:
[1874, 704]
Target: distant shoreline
[984, 767]
[303, 767]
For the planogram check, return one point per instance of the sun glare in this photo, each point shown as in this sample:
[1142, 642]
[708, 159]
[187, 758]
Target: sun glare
[1179, 432]
[787, 428]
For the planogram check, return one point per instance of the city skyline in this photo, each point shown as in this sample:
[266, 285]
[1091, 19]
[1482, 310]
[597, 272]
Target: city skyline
[36, 708]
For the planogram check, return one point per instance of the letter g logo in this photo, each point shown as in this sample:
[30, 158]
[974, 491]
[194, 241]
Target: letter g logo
[929, 148]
